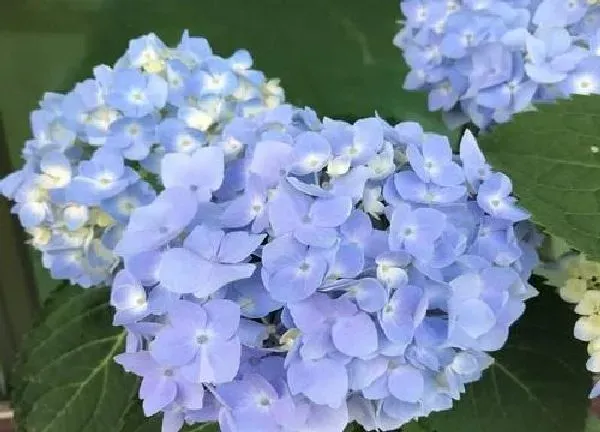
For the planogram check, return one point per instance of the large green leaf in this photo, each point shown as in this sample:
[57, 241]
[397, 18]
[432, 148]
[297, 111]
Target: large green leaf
[65, 377]
[537, 384]
[553, 158]
[413, 427]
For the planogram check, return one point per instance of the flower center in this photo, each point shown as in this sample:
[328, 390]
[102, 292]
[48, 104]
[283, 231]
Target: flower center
[137, 96]
[304, 267]
[105, 180]
[134, 130]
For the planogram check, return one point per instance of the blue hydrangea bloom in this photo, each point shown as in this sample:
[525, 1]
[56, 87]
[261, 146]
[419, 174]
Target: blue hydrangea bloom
[113, 142]
[298, 275]
[485, 61]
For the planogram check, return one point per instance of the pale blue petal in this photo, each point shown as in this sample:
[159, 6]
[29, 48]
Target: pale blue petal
[157, 394]
[316, 236]
[311, 377]
[174, 347]
[330, 212]
[182, 271]
[406, 383]
[355, 336]
[223, 317]
[370, 295]
[238, 245]
[204, 241]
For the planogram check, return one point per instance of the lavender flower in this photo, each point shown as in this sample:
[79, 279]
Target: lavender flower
[485, 61]
[299, 275]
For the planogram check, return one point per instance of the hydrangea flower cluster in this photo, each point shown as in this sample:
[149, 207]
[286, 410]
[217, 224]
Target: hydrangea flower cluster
[483, 61]
[96, 150]
[325, 272]
[578, 280]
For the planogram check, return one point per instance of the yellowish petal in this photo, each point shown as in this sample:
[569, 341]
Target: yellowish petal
[593, 363]
[594, 346]
[573, 290]
[589, 304]
[587, 328]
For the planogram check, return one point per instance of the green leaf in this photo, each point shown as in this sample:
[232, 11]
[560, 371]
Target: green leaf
[411, 427]
[135, 421]
[65, 377]
[592, 424]
[552, 157]
[353, 427]
[537, 384]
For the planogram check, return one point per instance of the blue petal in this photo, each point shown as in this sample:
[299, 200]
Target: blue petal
[238, 245]
[223, 317]
[182, 271]
[174, 347]
[369, 294]
[355, 336]
[311, 377]
[330, 212]
[407, 383]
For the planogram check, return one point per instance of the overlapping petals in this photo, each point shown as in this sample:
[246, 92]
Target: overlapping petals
[96, 151]
[483, 61]
[296, 275]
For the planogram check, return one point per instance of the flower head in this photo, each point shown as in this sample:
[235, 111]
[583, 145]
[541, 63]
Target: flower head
[485, 61]
[315, 273]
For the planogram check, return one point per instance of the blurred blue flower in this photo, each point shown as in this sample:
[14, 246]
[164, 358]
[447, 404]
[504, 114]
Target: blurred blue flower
[485, 61]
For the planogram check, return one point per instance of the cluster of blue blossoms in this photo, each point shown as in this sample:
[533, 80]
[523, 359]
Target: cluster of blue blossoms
[274, 272]
[295, 275]
[96, 151]
[485, 60]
